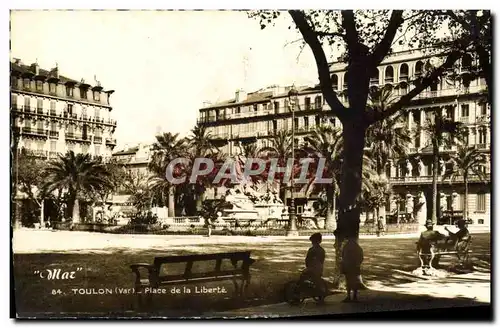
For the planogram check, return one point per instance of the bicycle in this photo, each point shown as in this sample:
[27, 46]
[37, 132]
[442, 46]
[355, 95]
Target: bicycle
[297, 292]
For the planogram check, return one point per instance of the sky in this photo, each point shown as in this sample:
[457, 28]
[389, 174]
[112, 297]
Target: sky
[162, 64]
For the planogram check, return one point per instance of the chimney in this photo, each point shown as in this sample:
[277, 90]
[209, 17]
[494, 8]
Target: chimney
[55, 71]
[35, 68]
[240, 95]
[206, 104]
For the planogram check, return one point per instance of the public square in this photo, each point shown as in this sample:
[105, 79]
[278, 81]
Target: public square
[105, 259]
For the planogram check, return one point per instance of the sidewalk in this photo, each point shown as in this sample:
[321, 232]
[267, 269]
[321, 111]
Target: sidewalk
[461, 290]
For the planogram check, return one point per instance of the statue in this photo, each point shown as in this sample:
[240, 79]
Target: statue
[421, 215]
[239, 200]
[408, 168]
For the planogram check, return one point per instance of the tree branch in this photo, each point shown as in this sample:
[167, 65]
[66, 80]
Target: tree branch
[311, 39]
[343, 36]
[384, 46]
[425, 83]
[352, 36]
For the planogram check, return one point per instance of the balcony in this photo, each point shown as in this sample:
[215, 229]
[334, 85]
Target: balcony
[53, 154]
[482, 146]
[52, 112]
[54, 134]
[403, 78]
[77, 137]
[409, 180]
[40, 111]
[110, 141]
[464, 119]
[97, 139]
[483, 119]
[35, 132]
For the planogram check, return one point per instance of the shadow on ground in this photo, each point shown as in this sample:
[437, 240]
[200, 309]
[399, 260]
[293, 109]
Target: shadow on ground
[277, 262]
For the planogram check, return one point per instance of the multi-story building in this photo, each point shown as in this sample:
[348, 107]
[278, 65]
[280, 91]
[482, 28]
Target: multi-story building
[135, 159]
[51, 114]
[256, 116]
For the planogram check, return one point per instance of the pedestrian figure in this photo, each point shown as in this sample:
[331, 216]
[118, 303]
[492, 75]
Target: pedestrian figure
[315, 260]
[352, 257]
[380, 226]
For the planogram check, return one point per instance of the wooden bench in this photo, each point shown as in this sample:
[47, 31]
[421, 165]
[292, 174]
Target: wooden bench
[434, 254]
[239, 270]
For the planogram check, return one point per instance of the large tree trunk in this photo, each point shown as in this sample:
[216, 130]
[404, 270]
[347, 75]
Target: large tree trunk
[435, 172]
[76, 210]
[171, 201]
[350, 187]
[330, 222]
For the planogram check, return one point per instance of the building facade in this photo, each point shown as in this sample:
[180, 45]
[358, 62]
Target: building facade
[256, 116]
[52, 114]
[135, 159]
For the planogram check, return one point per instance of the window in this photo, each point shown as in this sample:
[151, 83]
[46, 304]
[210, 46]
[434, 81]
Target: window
[238, 110]
[13, 101]
[53, 145]
[465, 110]
[40, 126]
[429, 169]
[52, 87]
[39, 104]
[26, 83]
[275, 125]
[83, 93]
[53, 126]
[255, 107]
[84, 132]
[287, 104]
[308, 103]
[403, 72]
[69, 109]
[318, 102]
[389, 74]
[450, 113]
[482, 136]
[69, 91]
[306, 122]
[39, 85]
[26, 103]
[97, 113]
[71, 147]
[296, 123]
[52, 107]
[318, 121]
[97, 149]
[419, 68]
[97, 96]
[276, 106]
[335, 82]
[466, 137]
[482, 109]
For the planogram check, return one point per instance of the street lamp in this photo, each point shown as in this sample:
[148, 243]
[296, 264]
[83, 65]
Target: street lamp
[292, 223]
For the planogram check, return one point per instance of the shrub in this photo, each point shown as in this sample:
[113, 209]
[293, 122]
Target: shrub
[147, 218]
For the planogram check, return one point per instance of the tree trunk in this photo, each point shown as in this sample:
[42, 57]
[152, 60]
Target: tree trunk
[76, 210]
[42, 208]
[199, 201]
[171, 202]
[330, 222]
[350, 188]
[466, 197]
[435, 171]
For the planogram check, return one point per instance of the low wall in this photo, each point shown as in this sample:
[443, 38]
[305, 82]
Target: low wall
[218, 229]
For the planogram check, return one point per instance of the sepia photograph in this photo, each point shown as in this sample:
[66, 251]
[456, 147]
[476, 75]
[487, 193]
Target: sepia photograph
[229, 164]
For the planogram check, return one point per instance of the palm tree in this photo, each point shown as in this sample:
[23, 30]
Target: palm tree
[200, 146]
[281, 149]
[467, 160]
[80, 175]
[167, 147]
[441, 131]
[388, 138]
[326, 141]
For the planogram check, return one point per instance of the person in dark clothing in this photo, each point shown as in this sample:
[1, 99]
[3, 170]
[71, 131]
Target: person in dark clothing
[428, 242]
[458, 240]
[352, 257]
[315, 260]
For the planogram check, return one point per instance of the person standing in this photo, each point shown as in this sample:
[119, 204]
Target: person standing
[352, 258]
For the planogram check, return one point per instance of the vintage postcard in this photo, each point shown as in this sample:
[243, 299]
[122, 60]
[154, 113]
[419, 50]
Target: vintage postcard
[250, 164]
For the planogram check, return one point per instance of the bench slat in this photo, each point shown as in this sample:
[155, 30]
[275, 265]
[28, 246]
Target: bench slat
[201, 257]
[199, 275]
[195, 280]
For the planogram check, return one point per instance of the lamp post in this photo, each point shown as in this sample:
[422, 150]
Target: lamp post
[292, 222]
